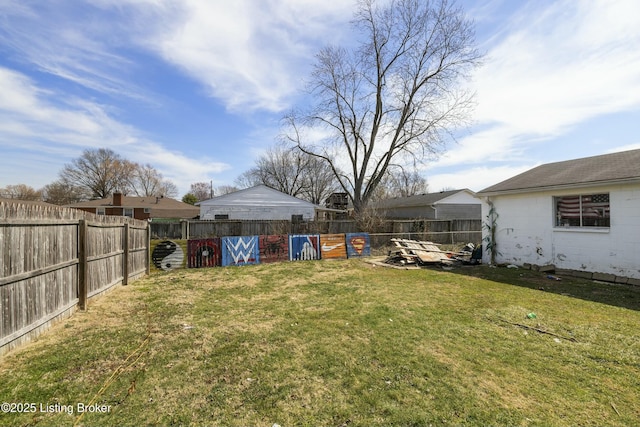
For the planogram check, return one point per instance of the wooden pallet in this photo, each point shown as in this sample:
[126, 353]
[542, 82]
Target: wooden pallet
[418, 252]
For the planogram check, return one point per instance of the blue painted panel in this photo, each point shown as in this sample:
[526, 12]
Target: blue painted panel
[304, 247]
[358, 245]
[240, 250]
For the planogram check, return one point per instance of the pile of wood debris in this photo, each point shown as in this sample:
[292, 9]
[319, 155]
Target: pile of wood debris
[408, 252]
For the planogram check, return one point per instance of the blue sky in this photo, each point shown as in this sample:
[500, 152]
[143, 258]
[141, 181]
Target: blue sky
[197, 88]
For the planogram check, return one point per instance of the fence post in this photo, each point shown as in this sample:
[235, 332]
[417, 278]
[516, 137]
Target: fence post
[125, 260]
[83, 270]
[148, 252]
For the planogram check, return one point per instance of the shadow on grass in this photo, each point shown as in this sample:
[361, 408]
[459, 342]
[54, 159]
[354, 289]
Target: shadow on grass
[619, 295]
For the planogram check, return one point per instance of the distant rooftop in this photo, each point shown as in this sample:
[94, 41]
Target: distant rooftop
[426, 199]
[164, 207]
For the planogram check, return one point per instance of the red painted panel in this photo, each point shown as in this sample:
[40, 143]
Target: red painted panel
[204, 252]
[274, 248]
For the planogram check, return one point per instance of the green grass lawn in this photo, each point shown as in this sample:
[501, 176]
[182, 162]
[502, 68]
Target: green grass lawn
[338, 343]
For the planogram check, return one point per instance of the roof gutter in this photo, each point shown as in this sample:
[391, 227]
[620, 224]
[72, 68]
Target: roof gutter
[558, 187]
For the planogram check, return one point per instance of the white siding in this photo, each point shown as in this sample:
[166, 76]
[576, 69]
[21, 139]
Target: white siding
[257, 203]
[526, 233]
[461, 198]
[257, 212]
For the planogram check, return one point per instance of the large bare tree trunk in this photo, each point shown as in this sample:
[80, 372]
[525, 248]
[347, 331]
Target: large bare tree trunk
[395, 98]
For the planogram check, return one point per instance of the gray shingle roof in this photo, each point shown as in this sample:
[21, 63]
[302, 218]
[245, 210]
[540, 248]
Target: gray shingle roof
[607, 168]
[418, 200]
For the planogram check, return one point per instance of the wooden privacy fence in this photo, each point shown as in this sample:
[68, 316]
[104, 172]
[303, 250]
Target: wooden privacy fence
[198, 229]
[453, 231]
[54, 259]
[438, 231]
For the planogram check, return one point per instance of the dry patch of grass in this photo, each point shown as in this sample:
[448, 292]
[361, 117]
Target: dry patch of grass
[334, 343]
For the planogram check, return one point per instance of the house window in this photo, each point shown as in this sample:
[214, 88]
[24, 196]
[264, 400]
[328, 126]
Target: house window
[221, 216]
[583, 210]
[297, 218]
[100, 211]
[127, 212]
[147, 210]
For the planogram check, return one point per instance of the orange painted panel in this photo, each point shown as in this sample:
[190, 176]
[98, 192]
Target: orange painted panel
[333, 246]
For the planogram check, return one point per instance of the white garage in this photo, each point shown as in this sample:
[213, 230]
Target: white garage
[257, 203]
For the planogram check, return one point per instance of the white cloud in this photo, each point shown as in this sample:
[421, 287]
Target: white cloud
[249, 54]
[474, 178]
[34, 115]
[174, 165]
[552, 69]
[50, 133]
[71, 42]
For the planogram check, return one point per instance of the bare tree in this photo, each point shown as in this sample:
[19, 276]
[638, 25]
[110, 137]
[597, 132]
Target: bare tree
[100, 172]
[398, 94]
[63, 193]
[202, 190]
[280, 168]
[320, 181]
[225, 189]
[168, 189]
[402, 182]
[246, 179]
[145, 180]
[21, 192]
[293, 172]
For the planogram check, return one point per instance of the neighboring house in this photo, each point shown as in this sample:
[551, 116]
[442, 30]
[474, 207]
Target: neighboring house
[259, 202]
[581, 215]
[144, 208]
[454, 204]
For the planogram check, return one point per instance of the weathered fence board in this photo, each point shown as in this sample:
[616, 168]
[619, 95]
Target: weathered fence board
[53, 259]
[440, 231]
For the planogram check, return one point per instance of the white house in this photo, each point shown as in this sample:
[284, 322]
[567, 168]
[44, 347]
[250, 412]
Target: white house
[452, 204]
[580, 215]
[259, 202]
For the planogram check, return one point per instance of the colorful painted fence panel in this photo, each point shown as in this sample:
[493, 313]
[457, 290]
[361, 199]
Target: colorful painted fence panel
[167, 255]
[274, 248]
[304, 247]
[204, 253]
[240, 250]
[332, 246]
[358, 245]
